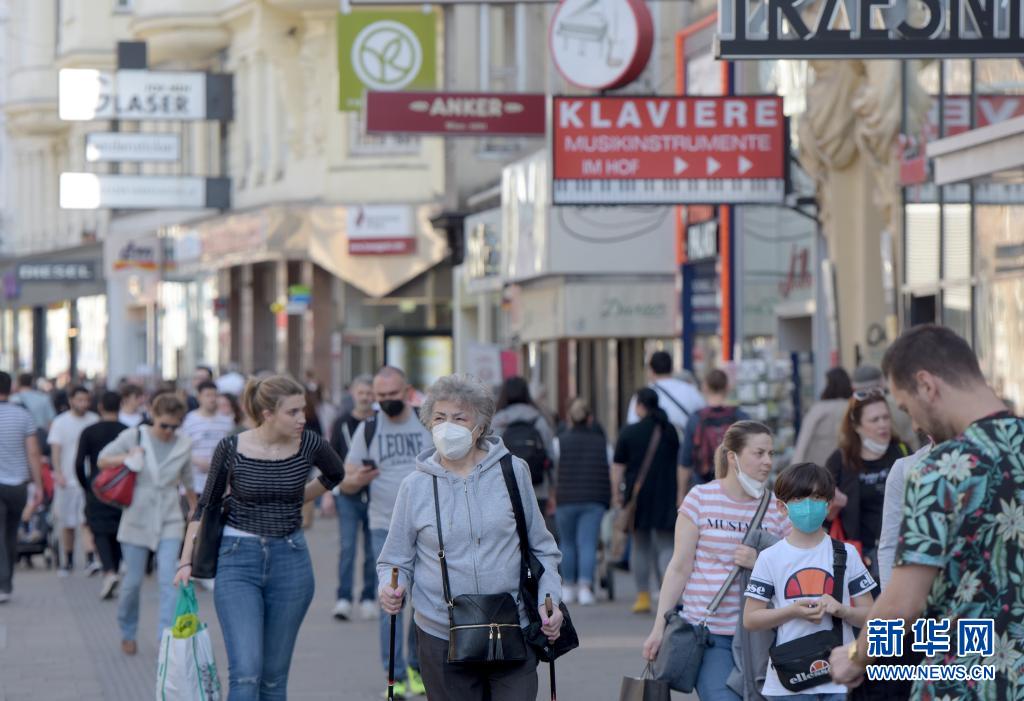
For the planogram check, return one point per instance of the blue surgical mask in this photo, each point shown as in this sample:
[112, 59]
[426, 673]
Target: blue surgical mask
[807, 515]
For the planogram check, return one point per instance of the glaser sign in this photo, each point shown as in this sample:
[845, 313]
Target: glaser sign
[768, 29]
[86, 94]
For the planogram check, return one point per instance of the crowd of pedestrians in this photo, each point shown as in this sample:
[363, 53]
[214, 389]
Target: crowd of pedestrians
[761, 551]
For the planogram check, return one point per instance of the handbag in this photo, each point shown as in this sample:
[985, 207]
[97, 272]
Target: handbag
[644, 688]
[481, 627]
[530, 572]
[624, 517]
[683, 645]
[206, 546]
[115, 486]
[804, 663]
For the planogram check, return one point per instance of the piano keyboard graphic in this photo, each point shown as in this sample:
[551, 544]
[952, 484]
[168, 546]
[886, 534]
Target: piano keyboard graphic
[671, 191]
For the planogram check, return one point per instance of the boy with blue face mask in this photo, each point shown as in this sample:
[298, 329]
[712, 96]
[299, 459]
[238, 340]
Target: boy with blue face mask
[796, 576]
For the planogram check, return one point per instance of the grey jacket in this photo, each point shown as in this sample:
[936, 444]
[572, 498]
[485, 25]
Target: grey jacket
[514, 413]
[750, 648]
[479, 529]
[892, 512]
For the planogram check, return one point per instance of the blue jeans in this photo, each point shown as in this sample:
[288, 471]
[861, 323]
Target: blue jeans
[379, 536]
[264, 588]
[352, 519]
[135, 557]
[579, 526]
[715, 669]
[808, 697]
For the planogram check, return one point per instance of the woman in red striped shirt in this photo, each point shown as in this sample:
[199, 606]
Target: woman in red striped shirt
[710, 528]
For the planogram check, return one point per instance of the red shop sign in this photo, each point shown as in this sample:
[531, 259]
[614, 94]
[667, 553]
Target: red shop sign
[455, 114]
[669, 150]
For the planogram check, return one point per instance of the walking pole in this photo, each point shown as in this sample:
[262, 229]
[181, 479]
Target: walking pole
[391, 655]
[551, 612]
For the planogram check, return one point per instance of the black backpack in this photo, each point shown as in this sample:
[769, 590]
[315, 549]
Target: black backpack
[524, 441]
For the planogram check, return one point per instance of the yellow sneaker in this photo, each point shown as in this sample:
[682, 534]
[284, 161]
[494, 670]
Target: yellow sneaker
[416, 687]
[401, 690]
[643, 603]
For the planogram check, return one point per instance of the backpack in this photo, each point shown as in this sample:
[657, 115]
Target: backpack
[712, 423]
[524, 441]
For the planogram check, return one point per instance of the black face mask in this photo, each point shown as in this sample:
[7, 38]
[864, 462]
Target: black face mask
[392, 407]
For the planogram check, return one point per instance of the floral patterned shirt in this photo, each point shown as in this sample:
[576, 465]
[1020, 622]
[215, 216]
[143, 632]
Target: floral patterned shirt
[963, 513]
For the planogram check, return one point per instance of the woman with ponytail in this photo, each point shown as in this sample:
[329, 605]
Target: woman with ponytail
[709, 536]
[656, 501]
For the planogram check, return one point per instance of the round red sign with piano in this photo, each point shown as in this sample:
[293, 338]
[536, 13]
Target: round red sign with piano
[601, 44]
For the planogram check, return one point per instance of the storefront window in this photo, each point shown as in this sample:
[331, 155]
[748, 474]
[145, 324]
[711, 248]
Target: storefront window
[956, 244]
[999, 76]
[25, 345]
[58, 350]
[1000, 298]
[92, 335]
[922, 244]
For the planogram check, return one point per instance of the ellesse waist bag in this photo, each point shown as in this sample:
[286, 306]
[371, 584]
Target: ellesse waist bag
[803, 663]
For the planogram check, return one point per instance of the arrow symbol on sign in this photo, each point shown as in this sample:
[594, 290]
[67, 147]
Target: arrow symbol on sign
[745, 165]
[713, 166]
[679, 166]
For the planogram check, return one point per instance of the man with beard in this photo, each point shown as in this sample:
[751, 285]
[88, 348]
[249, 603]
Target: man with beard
[960, 518]
[382, 454]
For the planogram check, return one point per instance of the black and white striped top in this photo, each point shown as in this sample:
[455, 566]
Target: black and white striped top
[266, 495]
[16, 425]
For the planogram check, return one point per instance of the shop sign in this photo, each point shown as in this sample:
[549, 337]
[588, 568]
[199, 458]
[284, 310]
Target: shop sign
[85, 94]
[456, 114]
[385, 50]
[603, 310]
[702, 304]
[93, 191]
[81, 271]
[104, 147]
[11, 288]
[483, 250]
[299, 299]
[381, 230]
[956, 119]
[657, 150]
[134, 256]
[773, 29]
[702, 240]
[483, 361]
[601, 44]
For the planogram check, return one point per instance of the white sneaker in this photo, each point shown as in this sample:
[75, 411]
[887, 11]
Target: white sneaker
[343, 610]
[568, 594]
[110, 583]
[586, 597]
[369, 610]
[4, 597]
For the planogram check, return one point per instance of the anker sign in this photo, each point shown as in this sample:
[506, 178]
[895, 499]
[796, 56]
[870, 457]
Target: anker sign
[767, 29]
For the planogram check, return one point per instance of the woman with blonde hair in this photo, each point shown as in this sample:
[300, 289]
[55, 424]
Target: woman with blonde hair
[161, 457]
[710, 530]
[264, 574]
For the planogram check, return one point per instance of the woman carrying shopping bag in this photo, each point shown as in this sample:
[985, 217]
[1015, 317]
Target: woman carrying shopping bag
[264, 577]
[162, 459]
[458, 503]
[709, 536]
[186, 668]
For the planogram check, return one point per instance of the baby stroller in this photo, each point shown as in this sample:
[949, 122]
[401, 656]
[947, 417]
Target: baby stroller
[36, 535]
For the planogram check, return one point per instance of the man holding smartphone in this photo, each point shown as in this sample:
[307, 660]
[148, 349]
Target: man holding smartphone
[396, 437]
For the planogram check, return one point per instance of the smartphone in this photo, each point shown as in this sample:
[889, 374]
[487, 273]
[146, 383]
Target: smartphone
[369, 465]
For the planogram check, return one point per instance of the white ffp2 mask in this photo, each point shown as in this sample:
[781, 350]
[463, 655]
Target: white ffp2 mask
[452, 441]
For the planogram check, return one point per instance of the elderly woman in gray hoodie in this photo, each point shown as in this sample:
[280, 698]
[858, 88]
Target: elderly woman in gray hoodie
[480, 540]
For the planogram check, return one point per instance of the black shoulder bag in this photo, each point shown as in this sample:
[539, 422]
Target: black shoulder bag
[481, 627]
[804, 663]
[530, 573]
[206, 547]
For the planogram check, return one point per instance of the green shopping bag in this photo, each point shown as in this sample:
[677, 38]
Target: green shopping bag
[187, 669]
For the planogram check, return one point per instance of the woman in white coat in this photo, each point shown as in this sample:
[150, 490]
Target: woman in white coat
[162, 459]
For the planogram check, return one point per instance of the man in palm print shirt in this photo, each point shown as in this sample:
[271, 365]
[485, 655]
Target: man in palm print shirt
[961, 546]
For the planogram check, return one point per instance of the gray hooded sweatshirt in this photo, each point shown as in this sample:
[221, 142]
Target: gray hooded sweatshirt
[479, 529]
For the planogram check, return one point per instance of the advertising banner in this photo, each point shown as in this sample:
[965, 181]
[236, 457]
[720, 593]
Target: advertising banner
[385, 50]
[92, 191]
[669, 150]
[381, 230]
[455, 114]
[104, 147]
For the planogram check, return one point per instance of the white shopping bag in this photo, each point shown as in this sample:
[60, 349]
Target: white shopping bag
[187, 670]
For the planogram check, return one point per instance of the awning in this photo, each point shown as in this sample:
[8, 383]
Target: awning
[979, 152]
[42, 279]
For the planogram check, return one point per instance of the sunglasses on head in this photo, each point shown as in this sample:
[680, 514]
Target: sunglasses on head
[873, 393]
[168, 427]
